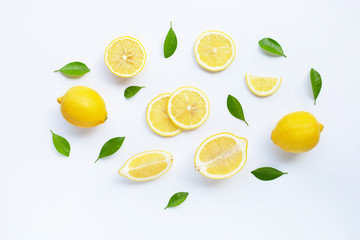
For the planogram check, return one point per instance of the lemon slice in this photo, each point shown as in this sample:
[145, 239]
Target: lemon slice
[262, 86]
[221, 155]
[125, 57]
[214, 50]
[188, 107]
[147, 165]
[158, 118]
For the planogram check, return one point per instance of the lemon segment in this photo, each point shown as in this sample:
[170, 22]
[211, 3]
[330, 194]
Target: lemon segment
[188, 107]
[297, 132]
[262, 86]
[158, 118]
[147, 165]
[214, 50]
[83, 107]
[221, 155]
[125, 57]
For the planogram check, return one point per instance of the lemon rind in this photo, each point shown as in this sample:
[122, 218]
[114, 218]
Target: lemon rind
[204, 65]
[188, 127]
[199, 166]
[124, 171]
[125, 75]
[157, 131]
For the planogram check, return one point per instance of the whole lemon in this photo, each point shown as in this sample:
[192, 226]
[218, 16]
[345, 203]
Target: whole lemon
[83, 107]
[297, 132]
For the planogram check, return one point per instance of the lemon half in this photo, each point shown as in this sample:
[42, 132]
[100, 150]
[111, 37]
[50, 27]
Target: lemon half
[221, 155]
[147, 165]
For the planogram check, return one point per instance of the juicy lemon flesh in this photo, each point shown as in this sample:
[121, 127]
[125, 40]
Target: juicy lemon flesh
[125, 57]
[146, 166]
[159, 118]
[215, 50]
[188, 108]
[297, 132]
[221, 156]
[263, 84]
[83, 107]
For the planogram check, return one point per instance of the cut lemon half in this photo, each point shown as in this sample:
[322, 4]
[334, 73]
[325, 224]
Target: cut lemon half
[262, 86]
[147, 165]
[158, 118]
[214, 50]
[125, 57]
[221, 155]
[188, 107]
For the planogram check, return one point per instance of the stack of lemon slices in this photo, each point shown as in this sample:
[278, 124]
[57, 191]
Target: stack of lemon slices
[169, 113]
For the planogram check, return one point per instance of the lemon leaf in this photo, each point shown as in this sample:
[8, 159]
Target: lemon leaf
[267, 173]
[316, 83]
[61, 144]
[235, 108]
[111, 147]
[74, 69]
[170, 43]
[271, 46]
[131, 91]
[177, 199]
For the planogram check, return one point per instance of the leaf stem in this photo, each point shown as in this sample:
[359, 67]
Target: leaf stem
[284, 55]
[170, 24]
[96, 160]
[246, 122]
[56, 70]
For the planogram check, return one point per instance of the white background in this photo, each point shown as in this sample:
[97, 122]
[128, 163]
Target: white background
[47, 196]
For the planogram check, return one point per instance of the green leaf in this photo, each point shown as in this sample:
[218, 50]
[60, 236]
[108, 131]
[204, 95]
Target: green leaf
[235, 108]
[272, 46]
[131, 91]
[61, 144]
[74, 69]
[316, 83]
[177, 199]
[111, 147]
[170, 43]
[267, 173]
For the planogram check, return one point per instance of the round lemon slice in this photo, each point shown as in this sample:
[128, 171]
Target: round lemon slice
[262, 86]
[147, 165]
[158, 118]
[214, 50]
[125, 57]
[188, 107]
[221, 155]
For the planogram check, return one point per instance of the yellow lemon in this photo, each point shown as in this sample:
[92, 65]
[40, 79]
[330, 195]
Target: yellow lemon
[147, 165]
[214, 50]
[221, 155]
[125, 57]
[83, 107]
[297, 132]
[262, 86]
[158, 118]
[188, 107]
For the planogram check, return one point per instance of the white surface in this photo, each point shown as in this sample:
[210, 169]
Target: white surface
[47, 196]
